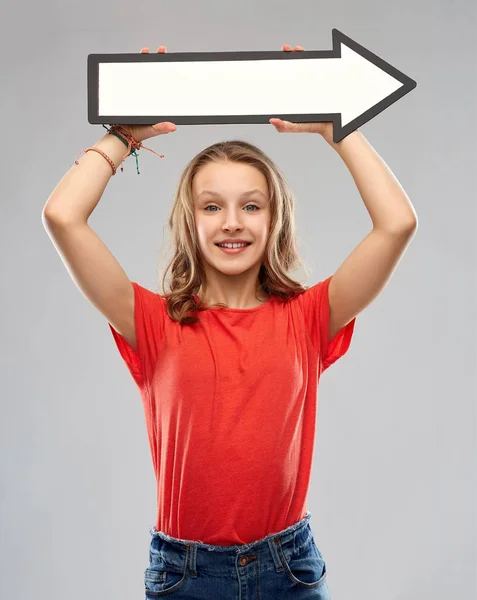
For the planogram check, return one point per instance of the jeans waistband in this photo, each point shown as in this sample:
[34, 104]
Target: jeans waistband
[291, 540]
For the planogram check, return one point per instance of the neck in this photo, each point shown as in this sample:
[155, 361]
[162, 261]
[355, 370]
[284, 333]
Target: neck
[234, 300]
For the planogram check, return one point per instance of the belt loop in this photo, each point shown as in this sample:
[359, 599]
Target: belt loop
[192, 556]
[273, 545]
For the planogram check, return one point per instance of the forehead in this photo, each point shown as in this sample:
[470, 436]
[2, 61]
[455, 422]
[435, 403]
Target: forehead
[228, 178]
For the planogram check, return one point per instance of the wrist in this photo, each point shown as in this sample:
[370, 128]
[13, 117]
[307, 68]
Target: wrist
[128, 135]
[327, 133]
[113, 147]
[122, 140]
[345, 142]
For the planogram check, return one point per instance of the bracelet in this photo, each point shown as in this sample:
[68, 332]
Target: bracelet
[128, 141]
[103, 154]
[123, 141]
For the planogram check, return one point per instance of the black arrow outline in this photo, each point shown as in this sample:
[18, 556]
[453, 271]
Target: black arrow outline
[339, 132]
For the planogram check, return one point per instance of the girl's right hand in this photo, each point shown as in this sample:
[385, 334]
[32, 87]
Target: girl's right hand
[144, 132]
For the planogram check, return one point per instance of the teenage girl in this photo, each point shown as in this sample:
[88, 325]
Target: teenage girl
[227, 363]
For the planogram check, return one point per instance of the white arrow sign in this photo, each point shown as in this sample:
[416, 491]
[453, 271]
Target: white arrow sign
[348, 85]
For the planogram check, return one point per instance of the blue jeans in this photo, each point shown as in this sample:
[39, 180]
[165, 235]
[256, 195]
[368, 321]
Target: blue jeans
[283, 565]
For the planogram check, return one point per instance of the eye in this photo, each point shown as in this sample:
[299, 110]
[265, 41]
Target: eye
[254, 205]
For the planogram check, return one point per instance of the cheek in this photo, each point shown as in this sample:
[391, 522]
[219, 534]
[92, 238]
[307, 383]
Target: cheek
[203, 233]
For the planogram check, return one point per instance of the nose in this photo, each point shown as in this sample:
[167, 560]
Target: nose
[231, 222]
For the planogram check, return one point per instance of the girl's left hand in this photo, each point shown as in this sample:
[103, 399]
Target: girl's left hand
[324, 129]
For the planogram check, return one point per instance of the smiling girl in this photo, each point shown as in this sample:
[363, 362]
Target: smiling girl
[228, 361]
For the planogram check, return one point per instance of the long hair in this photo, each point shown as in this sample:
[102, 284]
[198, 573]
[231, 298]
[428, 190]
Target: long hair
[281, 254]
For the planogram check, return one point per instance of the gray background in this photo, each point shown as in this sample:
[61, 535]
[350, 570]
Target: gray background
[393, 484]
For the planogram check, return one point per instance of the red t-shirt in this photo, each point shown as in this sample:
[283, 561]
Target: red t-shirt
[230, 407]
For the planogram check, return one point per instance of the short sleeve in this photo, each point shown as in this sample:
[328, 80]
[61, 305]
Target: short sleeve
[316, 307]
[149, 318]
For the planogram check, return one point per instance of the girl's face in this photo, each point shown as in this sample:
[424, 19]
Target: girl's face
[231, 201]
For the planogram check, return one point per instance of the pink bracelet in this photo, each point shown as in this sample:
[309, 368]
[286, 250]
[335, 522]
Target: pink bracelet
[102, 154]
[128, 140]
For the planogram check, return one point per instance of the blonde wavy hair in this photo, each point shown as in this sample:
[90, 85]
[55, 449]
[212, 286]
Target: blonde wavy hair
[281, 254]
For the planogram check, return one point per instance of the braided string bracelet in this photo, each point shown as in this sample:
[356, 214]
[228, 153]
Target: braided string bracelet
[128, 140]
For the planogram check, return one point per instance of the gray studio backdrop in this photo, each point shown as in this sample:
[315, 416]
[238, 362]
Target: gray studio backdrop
[392, 493]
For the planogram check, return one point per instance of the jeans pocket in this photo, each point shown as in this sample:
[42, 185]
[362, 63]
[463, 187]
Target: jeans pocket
[162, 580]
[306, 569]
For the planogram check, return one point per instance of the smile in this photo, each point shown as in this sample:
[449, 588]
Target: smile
[233, 250]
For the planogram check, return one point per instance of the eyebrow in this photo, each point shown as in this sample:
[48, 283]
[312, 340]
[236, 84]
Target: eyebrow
[249, 193]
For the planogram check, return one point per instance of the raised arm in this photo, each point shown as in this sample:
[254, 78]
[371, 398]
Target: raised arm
[91, 265]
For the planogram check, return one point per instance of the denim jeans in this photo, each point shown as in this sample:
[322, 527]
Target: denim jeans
[283, 565]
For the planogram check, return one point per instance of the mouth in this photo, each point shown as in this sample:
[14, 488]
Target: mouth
[233, 250]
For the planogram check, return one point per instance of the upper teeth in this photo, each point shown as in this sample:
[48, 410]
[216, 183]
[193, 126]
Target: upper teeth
[232, 245]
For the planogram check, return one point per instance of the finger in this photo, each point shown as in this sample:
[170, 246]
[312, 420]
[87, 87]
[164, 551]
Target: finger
[288, 48]
[164, 127]
[145, 50]
[161, 49]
